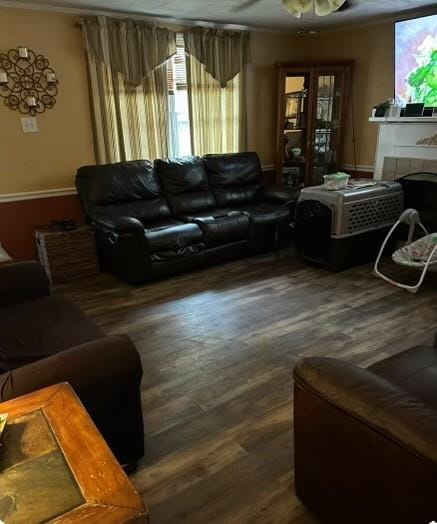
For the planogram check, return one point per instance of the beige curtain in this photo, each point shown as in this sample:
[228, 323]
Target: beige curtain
[216, 89]
[130, 121]
[223, 53]
[217, 115]
[131, 47]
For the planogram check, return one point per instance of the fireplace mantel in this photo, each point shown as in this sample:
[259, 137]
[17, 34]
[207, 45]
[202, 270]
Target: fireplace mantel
[404, 119]
[405, 137]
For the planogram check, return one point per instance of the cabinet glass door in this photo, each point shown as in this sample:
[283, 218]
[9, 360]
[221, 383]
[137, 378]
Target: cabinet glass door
[325, 140]
[295, 129]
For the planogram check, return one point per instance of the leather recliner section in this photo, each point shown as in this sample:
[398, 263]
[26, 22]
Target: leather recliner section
[235, 178]
[185, 184]
[224, 230]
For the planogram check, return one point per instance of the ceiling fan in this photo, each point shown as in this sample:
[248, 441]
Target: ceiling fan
[298, 7]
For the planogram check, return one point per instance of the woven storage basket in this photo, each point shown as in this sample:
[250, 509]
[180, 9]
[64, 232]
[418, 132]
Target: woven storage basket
[67, 255]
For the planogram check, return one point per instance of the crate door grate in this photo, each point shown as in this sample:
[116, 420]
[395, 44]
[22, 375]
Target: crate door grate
[373, 213]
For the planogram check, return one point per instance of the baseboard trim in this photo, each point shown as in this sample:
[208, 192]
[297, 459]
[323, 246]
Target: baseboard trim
[31, 195]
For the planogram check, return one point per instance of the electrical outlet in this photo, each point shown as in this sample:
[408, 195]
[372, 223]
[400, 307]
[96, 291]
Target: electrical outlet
[29, 124]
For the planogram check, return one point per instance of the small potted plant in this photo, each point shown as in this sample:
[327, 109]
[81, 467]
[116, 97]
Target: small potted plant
[381, 109]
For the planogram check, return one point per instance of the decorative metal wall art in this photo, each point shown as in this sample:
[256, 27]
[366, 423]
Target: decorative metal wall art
[27, 82]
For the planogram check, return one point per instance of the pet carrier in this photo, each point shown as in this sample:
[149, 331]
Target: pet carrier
[340, 229]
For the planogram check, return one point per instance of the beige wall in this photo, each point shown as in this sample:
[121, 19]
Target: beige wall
[48, 159]
[372, 49]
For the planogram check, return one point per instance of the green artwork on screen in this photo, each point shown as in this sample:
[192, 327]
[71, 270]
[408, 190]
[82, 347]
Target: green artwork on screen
[423, 81]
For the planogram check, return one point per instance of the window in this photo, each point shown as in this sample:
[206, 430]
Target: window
[180, 136]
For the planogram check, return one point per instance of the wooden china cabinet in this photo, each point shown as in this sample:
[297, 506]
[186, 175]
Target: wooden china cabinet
[312, 109]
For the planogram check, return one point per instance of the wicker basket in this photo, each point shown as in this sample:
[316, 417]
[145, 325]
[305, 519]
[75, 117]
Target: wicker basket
[67, 255]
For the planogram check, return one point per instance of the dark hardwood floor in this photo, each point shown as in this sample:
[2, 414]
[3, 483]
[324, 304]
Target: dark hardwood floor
[218, 349]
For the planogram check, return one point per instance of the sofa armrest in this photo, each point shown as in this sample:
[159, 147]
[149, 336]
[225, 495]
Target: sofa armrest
[122, 247]
[373, 401]
[112, 360]
[22, 281]
[119, 224]
[356, 433]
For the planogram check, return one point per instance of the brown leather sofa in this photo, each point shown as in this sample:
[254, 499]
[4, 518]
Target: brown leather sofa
[366, 439]
[175, 215]
[46, 339]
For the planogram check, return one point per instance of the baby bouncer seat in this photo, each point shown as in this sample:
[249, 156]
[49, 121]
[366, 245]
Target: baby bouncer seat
[420, 254]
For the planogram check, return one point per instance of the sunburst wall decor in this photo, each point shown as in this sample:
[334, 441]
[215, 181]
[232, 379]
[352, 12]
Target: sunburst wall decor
[27, 82]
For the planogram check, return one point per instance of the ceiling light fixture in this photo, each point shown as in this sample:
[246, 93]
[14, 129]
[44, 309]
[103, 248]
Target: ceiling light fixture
[320, 7]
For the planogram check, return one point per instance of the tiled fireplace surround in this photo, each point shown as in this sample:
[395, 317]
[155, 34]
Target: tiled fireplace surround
[396, 167]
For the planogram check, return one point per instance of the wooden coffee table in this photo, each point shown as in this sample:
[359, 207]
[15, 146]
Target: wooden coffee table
[55, 466]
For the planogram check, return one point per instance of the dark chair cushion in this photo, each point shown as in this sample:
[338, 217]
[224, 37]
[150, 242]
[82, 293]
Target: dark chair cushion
[414, 370]
[174, 241]
[185, 184]
[224, 230]
[36, 329]
[235, 178]
[122, 189]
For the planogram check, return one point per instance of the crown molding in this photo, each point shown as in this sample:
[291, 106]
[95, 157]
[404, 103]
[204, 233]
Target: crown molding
[76, 11]
[376, 20]
[305, 24]
[32, 195]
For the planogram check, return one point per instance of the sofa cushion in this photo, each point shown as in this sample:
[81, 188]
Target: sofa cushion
[119, 182]
[122, 189]
[215, 212]
[162, 224]
[224, 230]
[266, 212]
[414, 370]
[144, 210]
[185, 184]
[235, 178]
[36, 329]
[174, 241]
[234, 196]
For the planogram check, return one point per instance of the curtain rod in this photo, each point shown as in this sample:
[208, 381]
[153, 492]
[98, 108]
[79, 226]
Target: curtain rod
[171, 21]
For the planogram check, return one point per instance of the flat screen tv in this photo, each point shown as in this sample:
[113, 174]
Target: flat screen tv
[416, 61]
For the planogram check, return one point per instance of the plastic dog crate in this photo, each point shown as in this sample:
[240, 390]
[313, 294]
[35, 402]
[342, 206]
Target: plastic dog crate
[341, 229]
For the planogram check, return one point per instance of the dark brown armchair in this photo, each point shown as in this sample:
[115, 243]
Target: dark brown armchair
[46, 339]
[366, 439]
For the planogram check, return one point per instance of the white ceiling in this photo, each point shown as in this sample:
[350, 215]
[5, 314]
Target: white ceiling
[265, 13]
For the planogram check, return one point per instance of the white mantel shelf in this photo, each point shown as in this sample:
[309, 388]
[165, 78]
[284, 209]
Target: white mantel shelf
[404, 120]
